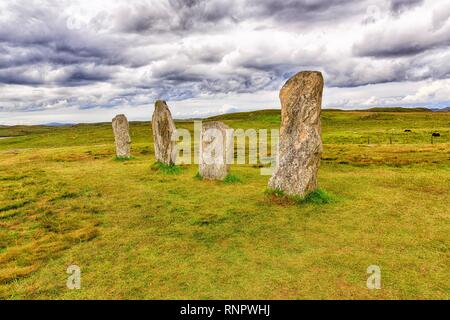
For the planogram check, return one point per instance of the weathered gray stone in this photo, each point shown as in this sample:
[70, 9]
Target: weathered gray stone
[122, 136]
[300, 135]
[163, 129]
[216, 147]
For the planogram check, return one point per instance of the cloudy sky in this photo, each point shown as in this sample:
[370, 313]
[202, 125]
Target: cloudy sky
[87, 60]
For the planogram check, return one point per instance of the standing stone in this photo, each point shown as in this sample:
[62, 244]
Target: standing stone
[122, 136]
[216, 150]
[163, 128]
[300, 135]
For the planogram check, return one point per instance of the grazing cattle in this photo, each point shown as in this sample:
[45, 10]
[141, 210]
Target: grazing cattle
[436, 134]
[407, 130]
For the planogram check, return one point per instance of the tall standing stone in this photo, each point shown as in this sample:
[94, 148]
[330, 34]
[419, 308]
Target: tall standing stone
[300, 135]
[216, 150]
[122, 136]
[163, 128]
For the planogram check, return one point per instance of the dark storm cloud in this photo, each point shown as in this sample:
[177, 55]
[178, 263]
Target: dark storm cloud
[399, 6]
[81, 76]
[56, 53]
[191, 12]
[175, 16]
[204, 15]
[36, 35]
[12, 77]
[301, 10]
[396, 49]
[396, 43]
[182, 85]
[44, 38]
[77, 75]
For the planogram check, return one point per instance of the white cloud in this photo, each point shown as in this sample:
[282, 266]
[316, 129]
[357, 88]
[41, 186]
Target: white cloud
[433, 91]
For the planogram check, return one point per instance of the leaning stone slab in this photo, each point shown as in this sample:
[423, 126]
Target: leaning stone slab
[216, 150]
[122, 136]
[300, 135]
[163, 129]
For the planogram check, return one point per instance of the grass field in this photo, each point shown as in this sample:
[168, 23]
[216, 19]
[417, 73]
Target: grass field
[138, 232]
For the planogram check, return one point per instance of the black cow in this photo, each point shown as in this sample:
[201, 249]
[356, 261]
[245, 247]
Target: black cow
[436, 134]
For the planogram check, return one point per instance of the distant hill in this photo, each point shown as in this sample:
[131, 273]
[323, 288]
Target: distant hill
[246, 115]
[398, 109]
[447, 109]
[271, 112]
[58, 124]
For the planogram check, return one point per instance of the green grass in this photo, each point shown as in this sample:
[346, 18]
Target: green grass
[198, 176]
[318, 196]
[14, 206]
[274, 192]
[232, 179]
[138, 233]
[166, 169]
[123, 159]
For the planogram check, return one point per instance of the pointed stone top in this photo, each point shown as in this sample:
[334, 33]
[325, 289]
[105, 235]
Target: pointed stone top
[160, 104]
[161, 107]
[307, 73]
[306, 85]
[306, 79]
[120, 116]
